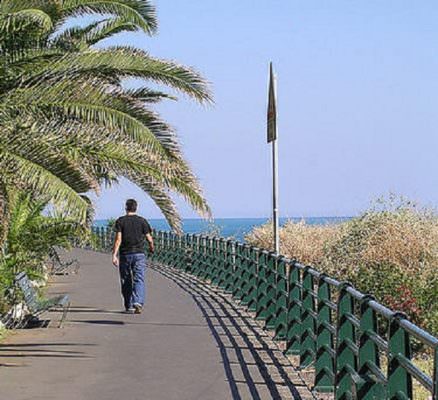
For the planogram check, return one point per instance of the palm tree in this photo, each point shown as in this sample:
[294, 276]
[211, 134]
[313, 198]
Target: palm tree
[32, 236]
[68, 122]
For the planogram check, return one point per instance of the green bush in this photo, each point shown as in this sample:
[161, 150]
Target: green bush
[31, 236]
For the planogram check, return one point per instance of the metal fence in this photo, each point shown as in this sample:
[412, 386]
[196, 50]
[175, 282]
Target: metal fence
[102, 238]
[345, 335]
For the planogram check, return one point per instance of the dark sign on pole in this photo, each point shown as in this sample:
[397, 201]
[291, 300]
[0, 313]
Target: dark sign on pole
[272, 107]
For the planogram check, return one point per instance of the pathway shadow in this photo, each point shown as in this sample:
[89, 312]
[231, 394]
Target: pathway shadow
[51, 355]
[97, 322]
[254, 365]
[10, 365]
[2, 346]
[89, 310]
[21, 351]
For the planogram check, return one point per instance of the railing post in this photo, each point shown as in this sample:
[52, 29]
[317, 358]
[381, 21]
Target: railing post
[399, 379]
[214, 261]
[112, 235]
[233, 265]
[203, 265]
[178, 252]
[246, 274]
[167, 253]
[196, 253]
[211, 259]
[102, 238]
[272, 290]
[281, 302]
[177, 257]
[325, 354]
[229, 271]
[152, 257]
[346, 349]
[168, 248]
[369, 358]
[238, 272]
[266, 290]
[221, 263]
[172, 243]
[251, 298]
[174, 262]
[308, 323]
[196, 258]
[261, 285]
[293, 336]
[159, 247]
[187, 252]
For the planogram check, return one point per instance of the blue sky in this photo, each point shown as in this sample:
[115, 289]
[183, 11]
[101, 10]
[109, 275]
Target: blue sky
[358, 95]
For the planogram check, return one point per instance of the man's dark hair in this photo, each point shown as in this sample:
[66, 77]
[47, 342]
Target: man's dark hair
[131, 205]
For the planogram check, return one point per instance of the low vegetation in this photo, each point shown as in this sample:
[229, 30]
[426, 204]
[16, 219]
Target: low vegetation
[31, 237]
[390, 251]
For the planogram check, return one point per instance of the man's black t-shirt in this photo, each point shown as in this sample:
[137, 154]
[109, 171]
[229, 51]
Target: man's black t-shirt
[134, 229]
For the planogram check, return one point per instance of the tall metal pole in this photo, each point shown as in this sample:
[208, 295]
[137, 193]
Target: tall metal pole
[273, 138]
[275, 215]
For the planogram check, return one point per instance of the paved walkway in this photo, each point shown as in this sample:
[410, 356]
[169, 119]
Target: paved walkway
[191, 343]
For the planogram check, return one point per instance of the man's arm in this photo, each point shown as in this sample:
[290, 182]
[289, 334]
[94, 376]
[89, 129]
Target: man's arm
[116, 247]
[150, 240]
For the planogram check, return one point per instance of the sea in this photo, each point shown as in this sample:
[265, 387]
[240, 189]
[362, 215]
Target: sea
[236, 228]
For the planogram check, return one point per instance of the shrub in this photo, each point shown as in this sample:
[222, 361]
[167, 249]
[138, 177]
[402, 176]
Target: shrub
[390, 251]
[31, 236]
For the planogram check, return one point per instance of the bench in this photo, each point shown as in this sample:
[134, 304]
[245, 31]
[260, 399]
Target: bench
[36, 305]
[60, 267]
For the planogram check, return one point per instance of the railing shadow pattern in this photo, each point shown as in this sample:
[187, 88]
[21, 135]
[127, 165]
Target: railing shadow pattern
[345, 336]
[255, 367]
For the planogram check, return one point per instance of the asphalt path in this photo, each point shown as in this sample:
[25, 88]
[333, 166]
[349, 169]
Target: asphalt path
[186, 345]
[102, 354]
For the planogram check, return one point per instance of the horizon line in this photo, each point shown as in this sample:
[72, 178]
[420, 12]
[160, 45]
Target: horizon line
[216, 218]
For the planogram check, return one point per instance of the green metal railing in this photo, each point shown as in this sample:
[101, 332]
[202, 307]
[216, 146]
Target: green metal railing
[345, 335]
[103, 238]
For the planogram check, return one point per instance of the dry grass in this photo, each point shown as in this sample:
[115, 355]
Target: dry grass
[425, 363]
[390, 251]
[300, 241]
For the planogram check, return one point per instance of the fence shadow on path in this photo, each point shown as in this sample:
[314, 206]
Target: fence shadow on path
[254, 365]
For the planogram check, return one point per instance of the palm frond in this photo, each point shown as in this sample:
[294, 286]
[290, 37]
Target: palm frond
[85, 103]
[70, 37]
[39, 180]
[139, 12]
[161, 198]
[108, 28]
[20, 20]
[147, 95]
[124, 62]
[51, 7]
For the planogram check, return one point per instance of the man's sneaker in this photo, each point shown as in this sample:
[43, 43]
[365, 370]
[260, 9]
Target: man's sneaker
[138, 308]
[129, 311]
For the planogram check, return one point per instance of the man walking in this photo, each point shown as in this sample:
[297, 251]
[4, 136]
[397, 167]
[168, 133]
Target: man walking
[131, 233]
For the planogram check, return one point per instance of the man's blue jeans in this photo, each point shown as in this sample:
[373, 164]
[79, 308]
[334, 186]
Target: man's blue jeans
[132, 273]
